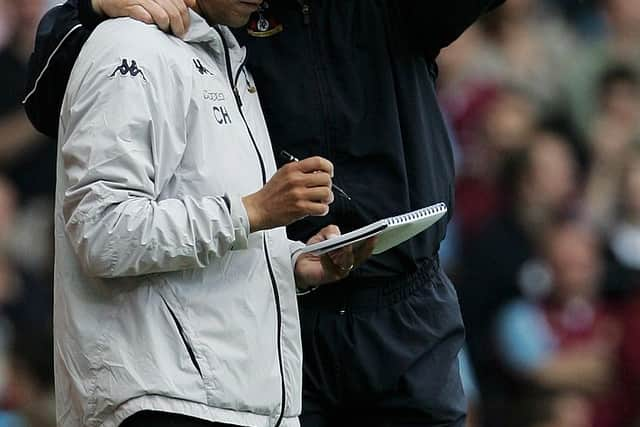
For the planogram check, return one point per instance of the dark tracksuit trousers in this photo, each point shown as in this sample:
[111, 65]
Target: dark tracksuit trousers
[370, 350]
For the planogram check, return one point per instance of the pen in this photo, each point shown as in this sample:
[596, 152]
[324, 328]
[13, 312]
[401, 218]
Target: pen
[291, 158]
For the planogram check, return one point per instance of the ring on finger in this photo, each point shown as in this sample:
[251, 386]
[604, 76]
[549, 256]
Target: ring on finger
[346, 270]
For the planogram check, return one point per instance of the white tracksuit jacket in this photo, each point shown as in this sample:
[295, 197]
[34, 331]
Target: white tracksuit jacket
[163, 299]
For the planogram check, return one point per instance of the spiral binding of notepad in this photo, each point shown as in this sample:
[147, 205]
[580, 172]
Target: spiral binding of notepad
[421, 213]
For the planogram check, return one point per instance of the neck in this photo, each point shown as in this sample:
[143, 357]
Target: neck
[200, 10]
[197, 9]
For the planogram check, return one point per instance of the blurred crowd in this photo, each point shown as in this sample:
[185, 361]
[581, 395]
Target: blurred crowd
[543, 99]
[27, 182]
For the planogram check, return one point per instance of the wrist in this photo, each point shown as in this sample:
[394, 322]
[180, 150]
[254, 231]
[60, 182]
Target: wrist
[304, 283]
[251, 205]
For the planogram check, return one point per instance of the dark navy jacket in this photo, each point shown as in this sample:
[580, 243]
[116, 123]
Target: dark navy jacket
[350, 80]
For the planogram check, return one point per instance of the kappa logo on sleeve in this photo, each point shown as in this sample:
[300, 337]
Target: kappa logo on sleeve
[126, 69]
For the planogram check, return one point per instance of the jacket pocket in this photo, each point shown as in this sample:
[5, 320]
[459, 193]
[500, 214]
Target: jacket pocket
[183, 336]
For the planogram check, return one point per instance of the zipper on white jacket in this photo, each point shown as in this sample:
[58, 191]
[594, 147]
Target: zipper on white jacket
[233, 83]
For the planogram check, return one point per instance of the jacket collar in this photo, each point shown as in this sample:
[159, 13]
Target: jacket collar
[201, 32]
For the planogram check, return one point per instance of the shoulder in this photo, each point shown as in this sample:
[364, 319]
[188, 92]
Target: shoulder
[123, 48]
[130, 34]
[125, 38]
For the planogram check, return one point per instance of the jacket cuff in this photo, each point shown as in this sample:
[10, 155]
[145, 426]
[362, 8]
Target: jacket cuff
[88, 17]
[240, 219]
[294, 250]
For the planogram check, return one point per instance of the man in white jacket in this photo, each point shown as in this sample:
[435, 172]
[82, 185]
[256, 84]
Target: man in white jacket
[174, 286]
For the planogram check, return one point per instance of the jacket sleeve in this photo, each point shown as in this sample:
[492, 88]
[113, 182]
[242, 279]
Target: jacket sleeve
[61, 34]
[123, 136]
[294, 251]
[432, 25]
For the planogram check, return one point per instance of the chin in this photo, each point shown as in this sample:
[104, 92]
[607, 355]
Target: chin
[237, 21]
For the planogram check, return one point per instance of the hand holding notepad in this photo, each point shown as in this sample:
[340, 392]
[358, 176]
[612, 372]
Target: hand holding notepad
[390, 232]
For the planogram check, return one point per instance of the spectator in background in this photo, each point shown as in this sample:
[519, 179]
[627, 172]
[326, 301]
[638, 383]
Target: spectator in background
[620, 44]
[548, 408]
[25, 156]
[567, 341]
[528, 46]
[501, 127]
[584, 15]
[9, 283]
[525, 44]
[25, 326]
[630, 354]
[624, 235]
[26, 161]
[27, 166]
[614, 133]
[31, 378]
[499, 266]
[5, 22]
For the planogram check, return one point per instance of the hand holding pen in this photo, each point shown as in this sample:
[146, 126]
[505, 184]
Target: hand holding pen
[295, 191]
[291, 158]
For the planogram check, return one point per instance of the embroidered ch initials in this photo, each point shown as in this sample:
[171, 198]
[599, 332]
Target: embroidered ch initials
[221, 115]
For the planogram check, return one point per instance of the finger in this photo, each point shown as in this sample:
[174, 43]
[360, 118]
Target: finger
[314, 209]
[343, 258]
[183, 9]
[328, 232]
[158, 14]
[319, 195]
[139, 13]
[315, 164]
[316, 179]
[340, 268]
[175, 18]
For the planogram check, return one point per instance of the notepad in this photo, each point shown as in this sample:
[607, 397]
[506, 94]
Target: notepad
[390, 232]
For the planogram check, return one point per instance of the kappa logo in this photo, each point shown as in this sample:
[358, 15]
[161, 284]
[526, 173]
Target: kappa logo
[201, 68]
[125, 69]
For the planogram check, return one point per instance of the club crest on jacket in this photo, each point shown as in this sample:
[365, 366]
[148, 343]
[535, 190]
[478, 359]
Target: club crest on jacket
[263, 23]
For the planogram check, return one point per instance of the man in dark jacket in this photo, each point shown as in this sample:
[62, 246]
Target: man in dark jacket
[352, 81]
